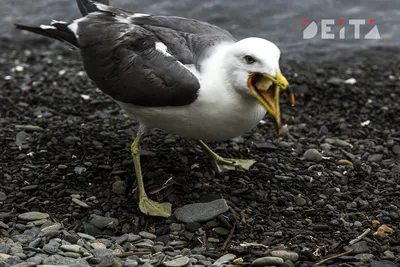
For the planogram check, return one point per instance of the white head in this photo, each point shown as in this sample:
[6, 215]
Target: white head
[252, 66]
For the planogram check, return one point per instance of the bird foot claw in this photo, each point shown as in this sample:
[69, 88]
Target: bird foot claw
[154, 208]
[224, 165]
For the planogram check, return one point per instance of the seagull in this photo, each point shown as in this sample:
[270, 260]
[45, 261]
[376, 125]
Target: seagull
[184, 76]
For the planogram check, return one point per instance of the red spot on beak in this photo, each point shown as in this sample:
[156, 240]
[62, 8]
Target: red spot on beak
[305, 21]
[371, 21]
[341, 21]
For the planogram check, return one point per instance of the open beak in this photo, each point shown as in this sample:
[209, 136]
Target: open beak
[266, 89]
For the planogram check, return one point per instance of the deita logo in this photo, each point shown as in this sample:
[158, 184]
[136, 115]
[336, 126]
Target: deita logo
[352, 30]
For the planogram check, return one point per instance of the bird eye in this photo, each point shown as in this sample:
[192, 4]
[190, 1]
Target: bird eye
[249, 59]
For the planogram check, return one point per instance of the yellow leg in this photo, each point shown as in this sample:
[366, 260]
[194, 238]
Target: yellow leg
[146, 205]
[221, 164]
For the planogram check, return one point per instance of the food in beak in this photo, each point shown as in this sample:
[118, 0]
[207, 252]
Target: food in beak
[267, 92]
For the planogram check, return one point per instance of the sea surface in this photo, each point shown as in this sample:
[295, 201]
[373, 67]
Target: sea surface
[282, 22]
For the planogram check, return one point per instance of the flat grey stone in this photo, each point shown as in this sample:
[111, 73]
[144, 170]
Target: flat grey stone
[33, 216]
[264, 261]
[227, 258]
[51, 247]
[200, 212]
[383, 263]
[312, 155]
[365, 257]
[102, 222]
[177, 262]
[5, 248]
[285, 255]
[147, 235]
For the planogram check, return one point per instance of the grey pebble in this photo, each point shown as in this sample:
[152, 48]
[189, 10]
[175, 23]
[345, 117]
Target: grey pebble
[375, 157]
[3, 225]
[359, 247]
[25, 264]
[72, 248]
[105, 256]
[51, 247]
[53, 227]
[3, 196]
[133, 237]
[221, 231]
[5, 248]
[285, 255]
[299, 200]
[227, 258]
[86, 236]
[383, 263]
[364, 257]
[177, 262]
[102, 222]
[147, 235]
[131, 263]
[200, 212]
[396, 149]
[264, 261]
[312, 155]
[33, 216]
[80, 203]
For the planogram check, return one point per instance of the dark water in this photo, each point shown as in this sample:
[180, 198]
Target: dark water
[279, 21]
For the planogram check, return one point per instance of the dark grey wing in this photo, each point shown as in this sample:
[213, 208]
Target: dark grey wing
[141, 59]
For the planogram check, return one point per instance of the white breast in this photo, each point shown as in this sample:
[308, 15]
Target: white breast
[219, 112]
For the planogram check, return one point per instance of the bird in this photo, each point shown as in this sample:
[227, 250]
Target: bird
[180, 75]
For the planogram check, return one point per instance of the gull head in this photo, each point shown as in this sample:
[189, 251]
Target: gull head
[253, 70]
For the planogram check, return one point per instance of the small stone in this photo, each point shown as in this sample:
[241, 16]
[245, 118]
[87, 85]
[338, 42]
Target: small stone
[192, 226]
[119, 186]
[383, 263]
[25, 264]
[103, 222]
[3, 225]
[131, 263]
[299, 200]
[389, 255]
[396, 149]
[359, 247]
[321, 227]
[227, 258]
[312, 155]
[175, 227]
[33, 216]
[3, 196]
[264, 261]
[51, 247]
[72, 248]
[200, 212]
[221, 231]
[80, 203]
[5, 248]
[285, 255]
[177, 262]
[53, 227]
[133, 238]
[85, 236]
[147, 235]
[375, 157]
[365, 257]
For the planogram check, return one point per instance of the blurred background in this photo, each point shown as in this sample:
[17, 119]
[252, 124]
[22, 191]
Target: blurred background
[280, 21]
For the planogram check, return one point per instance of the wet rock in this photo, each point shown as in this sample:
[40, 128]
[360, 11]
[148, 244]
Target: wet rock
[312, 155]
[365, 257]
[375, 157]
[285, 255]
[177, 262]
[103, 222]
[147, 235]
[33, 216]
[200, 212]
[265, 261]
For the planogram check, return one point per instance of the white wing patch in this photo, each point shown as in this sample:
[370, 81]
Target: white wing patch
[47, 27]
[162, 48]
[57, 21]
[139, 15]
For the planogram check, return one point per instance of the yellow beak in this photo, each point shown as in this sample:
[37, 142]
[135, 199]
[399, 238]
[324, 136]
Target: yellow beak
[266, 89]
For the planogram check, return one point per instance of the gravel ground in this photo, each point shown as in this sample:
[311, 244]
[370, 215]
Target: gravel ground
[67, 191]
